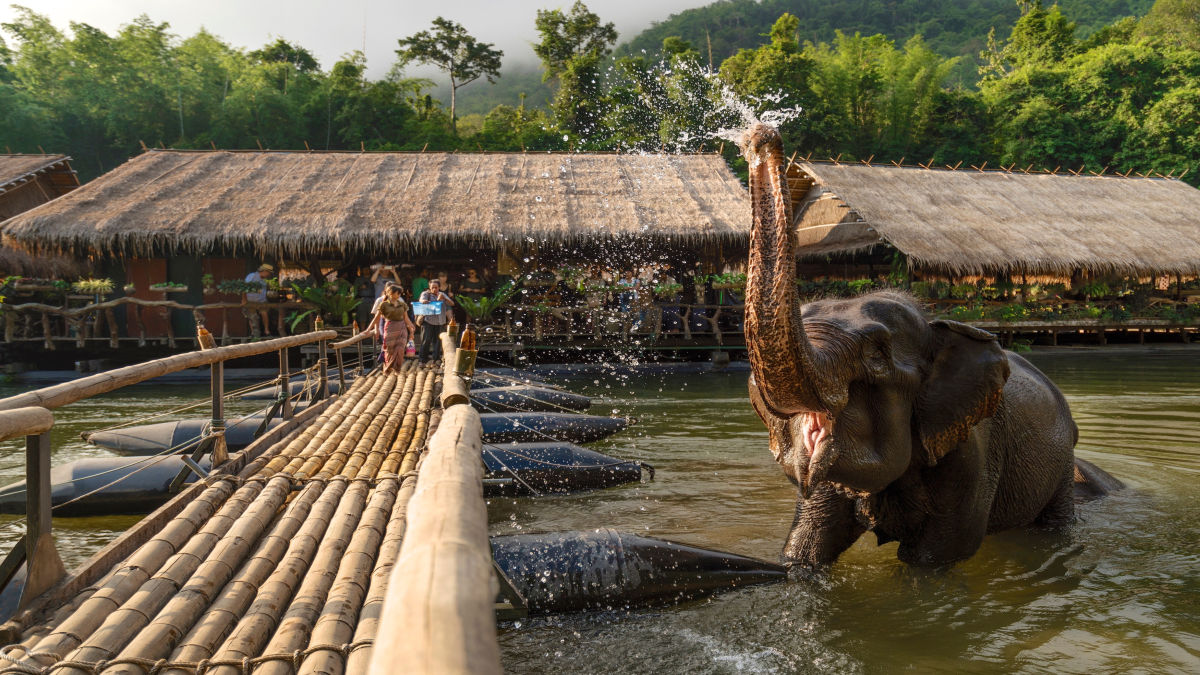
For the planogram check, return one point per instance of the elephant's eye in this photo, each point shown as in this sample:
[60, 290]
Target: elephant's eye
[877, 363]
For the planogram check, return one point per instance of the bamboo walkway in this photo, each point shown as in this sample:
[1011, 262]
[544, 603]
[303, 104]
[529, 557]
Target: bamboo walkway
[279, 568]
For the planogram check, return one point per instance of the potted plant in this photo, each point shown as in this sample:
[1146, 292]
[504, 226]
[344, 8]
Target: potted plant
[481, 310]
[335, 301]
[169, 287]
[130, 288]
[728, 281]
[209, 284]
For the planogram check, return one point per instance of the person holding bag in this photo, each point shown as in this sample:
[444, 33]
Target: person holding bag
[432, 325]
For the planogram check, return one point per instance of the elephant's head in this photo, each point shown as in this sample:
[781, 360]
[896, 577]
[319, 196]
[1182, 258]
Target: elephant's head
[909, 391]
[855, 391]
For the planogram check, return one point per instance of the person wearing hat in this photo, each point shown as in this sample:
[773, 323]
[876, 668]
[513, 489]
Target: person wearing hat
[259, 278]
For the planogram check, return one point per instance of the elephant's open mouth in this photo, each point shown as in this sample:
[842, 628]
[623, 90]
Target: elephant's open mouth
[816, 432]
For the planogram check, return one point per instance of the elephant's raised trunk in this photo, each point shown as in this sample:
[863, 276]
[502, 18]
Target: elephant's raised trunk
[787, 369]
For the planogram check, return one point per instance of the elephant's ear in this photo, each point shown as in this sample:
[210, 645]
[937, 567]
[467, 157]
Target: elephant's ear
[964, 385]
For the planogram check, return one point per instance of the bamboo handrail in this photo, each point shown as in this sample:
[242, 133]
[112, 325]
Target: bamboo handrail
[24, 422]
[438, 613]
[352, 340]
[101, 383]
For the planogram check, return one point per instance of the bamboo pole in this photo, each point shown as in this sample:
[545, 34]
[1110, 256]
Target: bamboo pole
[122, 625]
[102, 566]
[355, 433]
[454, 388]
[320, 430]
[182, 610]
[101, 383]
[302, 525]
[24, 422]
[263, 623]
[297, 624]
[439, 615]
[336, 622]
[306, 463]
[129, 577]
[367, 625]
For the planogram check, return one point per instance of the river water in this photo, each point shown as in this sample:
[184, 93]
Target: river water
[1119, 591]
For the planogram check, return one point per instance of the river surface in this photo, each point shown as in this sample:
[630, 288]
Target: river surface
[1119, 591]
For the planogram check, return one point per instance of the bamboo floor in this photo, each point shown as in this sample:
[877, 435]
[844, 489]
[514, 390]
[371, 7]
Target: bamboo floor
[279, 568]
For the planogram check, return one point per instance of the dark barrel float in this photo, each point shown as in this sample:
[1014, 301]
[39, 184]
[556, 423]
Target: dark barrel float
[296, 385]
[535, 468]
[151, 439]
[138, 486]
[609, 570]
[522, 398]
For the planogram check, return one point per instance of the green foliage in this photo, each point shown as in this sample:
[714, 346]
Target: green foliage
[971, 312]
[1172, 22]
[572, 48]
[334, 301]
[484, 307]
[860, 286]
[168, 286]
[449, 47]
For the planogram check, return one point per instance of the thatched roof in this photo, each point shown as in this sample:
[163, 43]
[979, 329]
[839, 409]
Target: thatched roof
[972, 222]
[292, 203]
[17, 170]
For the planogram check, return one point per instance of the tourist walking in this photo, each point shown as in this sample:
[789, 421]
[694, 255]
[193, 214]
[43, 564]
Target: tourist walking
[432, 325]
[394, 325]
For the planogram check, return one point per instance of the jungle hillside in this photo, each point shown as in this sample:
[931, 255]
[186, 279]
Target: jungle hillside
[1101, 85]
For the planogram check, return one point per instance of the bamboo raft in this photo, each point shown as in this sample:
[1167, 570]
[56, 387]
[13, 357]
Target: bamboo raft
[283, 564]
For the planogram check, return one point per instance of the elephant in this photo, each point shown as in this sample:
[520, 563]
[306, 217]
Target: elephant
[924, 432]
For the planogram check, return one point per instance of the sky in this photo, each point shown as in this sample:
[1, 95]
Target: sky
[331, 29]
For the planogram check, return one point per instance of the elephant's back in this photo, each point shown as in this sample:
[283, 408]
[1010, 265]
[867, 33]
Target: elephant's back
[1033, 442]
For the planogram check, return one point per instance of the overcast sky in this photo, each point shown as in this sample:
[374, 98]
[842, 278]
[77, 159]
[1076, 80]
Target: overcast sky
[330, 29]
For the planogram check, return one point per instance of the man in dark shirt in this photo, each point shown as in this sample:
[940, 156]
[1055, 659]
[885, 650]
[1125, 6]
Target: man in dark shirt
[432, 325]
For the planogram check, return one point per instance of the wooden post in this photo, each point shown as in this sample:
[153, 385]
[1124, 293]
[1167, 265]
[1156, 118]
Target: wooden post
[454, 388]
[323, 369]
[114, 331]
[341, 371]
[48, 336]
[285, 386]
[42, 563]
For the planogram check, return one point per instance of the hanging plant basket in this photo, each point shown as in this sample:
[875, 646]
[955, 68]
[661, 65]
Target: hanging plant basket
[169, 288]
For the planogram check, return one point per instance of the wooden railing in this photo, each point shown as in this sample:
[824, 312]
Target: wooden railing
[33, 321]
[29, 415]
[687, 321]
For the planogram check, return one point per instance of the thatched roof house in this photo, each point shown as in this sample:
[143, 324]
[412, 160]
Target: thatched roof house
[301, 203]
[29, 180]
[980, 222]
